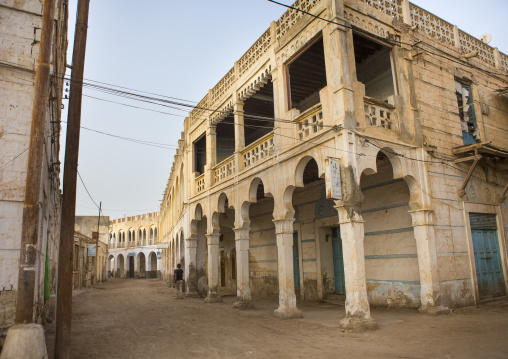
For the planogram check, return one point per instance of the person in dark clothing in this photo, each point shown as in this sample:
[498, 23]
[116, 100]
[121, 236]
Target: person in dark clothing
[178, 280]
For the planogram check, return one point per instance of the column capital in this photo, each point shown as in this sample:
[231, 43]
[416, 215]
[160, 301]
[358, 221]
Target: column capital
[241, 233]
[348, 215]
[192, 241]
[422, 217]
[212, 239]
[283, 225]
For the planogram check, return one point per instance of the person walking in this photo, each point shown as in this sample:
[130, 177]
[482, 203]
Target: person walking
[178, 280]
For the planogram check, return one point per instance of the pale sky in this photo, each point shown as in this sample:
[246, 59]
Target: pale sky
[180, 49]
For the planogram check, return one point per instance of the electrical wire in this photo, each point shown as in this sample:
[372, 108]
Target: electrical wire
[14, 158]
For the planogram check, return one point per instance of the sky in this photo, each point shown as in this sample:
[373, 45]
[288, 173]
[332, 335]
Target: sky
[179, 49]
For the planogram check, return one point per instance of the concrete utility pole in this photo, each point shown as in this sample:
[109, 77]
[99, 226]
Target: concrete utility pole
[64, 288]
[30, 225]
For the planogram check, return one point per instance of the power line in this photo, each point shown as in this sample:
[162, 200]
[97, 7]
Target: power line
[12, 159]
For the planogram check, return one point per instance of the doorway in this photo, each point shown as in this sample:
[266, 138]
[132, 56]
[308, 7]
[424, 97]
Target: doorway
[296, 262]
[338, 261]
[489, 269]
[131, 266]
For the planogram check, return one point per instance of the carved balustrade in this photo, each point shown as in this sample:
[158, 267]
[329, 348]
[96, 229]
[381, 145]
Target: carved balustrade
[310, 122]
[259, 150]
[200, 183]
[224, 170]
[379, 114]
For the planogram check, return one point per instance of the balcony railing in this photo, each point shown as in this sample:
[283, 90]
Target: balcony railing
[224, 169]
[379, 114]
[259, 150]
[200, 183]
[310, 122]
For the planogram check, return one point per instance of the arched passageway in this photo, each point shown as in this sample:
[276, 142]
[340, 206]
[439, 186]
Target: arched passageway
[153, 265]
[141, 265]
[120, 272]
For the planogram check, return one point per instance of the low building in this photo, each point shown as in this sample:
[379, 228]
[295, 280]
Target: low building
[358, 148]
[133, 249]
[90, 265]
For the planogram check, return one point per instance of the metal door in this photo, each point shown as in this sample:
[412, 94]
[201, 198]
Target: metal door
[338, 261]
[296, 262]
[489, 269]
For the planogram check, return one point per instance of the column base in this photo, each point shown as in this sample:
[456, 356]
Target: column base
[435, 310]
[242, 305]
[193, 294]
[288, 313]
[213, 297]
[25, 341]
[355, 324]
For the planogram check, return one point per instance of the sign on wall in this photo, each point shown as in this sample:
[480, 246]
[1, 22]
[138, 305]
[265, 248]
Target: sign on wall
[158, 255]
[332, 178]
[91, 250]
[163, 246]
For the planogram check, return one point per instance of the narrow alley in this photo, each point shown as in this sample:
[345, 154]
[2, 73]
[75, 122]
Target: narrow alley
[127, 318]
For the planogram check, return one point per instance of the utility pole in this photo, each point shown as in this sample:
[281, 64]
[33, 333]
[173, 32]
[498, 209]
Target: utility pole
[64, 288]
[30, 224]
[97, 246]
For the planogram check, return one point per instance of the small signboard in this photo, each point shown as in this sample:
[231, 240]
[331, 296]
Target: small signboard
[95, 235]
[162, 245]
[131, 255]
[91, 250]
[332, 179]
[158, 255]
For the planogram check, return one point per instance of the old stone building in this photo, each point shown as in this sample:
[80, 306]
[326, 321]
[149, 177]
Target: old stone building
[90, 264]
[357, 148]
[20, 32]
[133, 249]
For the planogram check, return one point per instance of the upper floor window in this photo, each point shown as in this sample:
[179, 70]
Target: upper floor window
[307, 76]
[470, 133]
[200, 155]
[374, 68]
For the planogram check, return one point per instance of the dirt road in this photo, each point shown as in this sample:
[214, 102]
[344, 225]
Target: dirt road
[129, 318]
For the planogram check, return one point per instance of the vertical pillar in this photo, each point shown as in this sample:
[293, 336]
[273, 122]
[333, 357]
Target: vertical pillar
[340, 73]
[287, 298]
[191, 274]
[406, 12]
[357, 304]
[239, 135]
[423, 225]
[213, 269]
[211, 153]
[242, 268]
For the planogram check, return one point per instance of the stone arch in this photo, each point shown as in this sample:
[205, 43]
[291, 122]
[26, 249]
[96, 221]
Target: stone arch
[153, 264]
[141, 260]
[300, 168]
[120, 264]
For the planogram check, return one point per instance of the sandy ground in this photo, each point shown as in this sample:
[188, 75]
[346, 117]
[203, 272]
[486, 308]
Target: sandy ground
[129, 318]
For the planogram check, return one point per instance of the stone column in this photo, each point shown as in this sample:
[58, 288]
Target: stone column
[239, 135]
[423, 225]
[191, 275]
[211, 154]
[287, 298]
[357, 305]
[213, 269]
[242, 268]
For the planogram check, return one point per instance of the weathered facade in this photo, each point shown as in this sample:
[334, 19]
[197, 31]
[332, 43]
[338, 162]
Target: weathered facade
[89, 264]
[133, 249]
[414, 111]
[20, 29]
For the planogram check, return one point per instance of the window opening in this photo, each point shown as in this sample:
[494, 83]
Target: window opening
[225, 138]
[470, 133]
[307, 76]
[200, 155]
[260, 104]
[374, 68]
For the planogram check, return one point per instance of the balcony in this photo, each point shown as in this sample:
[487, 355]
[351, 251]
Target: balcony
[259, 150]
[310, 122]
[200, 183]
[224, 170]
[379, 114]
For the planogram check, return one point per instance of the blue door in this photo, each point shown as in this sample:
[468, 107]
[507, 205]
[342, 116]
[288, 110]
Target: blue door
[338, 261]
[489, 269]
[296, 262]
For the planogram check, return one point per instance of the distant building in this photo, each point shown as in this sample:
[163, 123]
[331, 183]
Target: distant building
[133, 249]
[364, 157]
[89, 265]
[21, 23]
